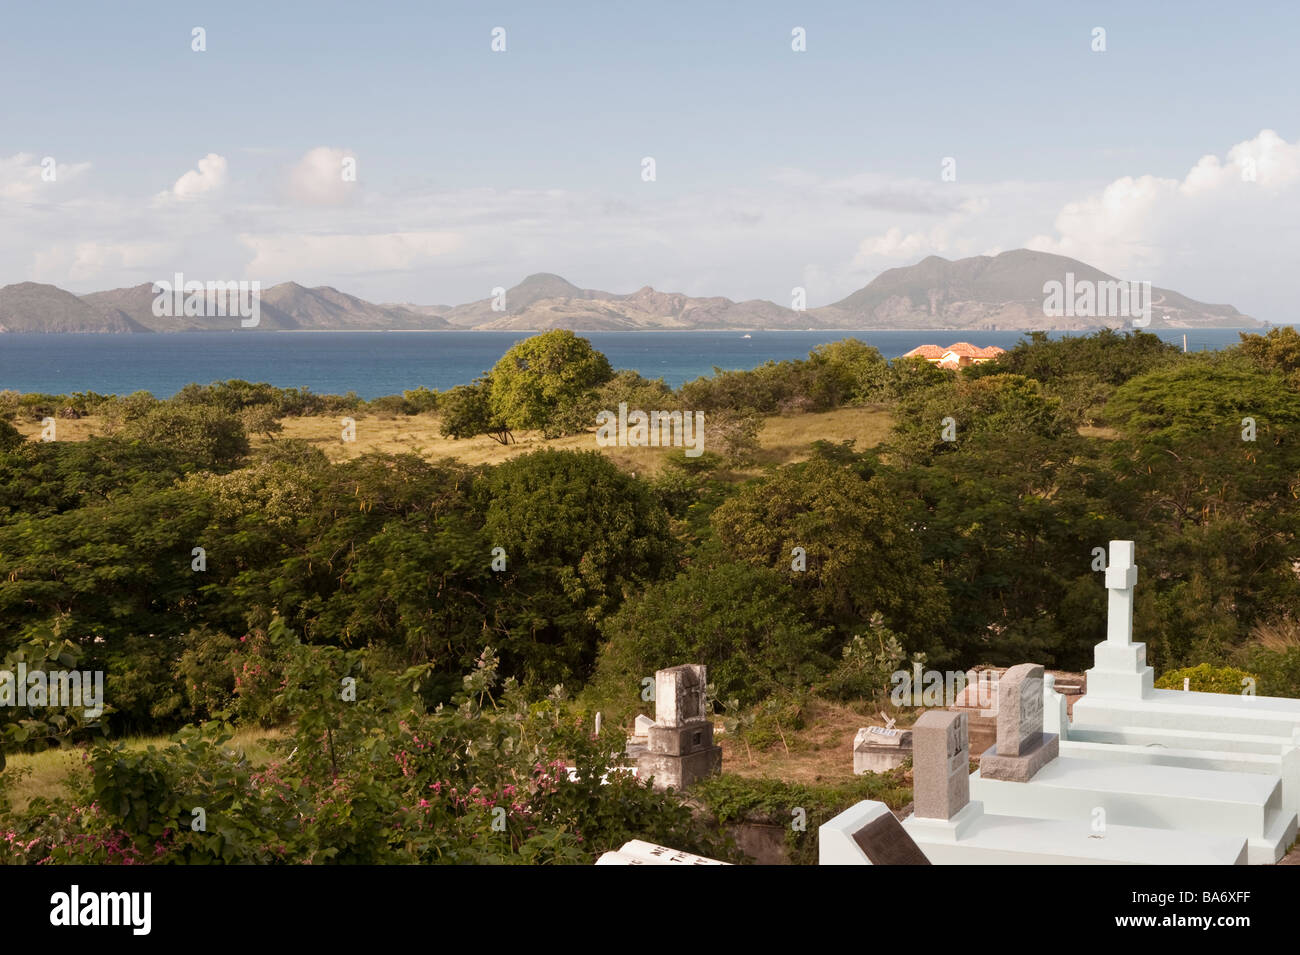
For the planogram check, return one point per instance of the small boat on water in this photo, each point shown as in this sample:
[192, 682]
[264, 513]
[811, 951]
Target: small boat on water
[746, 335]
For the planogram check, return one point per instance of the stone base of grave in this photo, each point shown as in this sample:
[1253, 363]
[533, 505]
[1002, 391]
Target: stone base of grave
[929, 829]
[1120, 670]
[682, 740]
[679, 772]
[874, 752]
[878, 759]
[1175, 799]
[1020, 769]
[973, 837]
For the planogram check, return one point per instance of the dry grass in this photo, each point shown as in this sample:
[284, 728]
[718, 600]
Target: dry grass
[783, 439]
[47, 773]
[1095, 431]
[1278, 635]
[65, 429]
[820, 753]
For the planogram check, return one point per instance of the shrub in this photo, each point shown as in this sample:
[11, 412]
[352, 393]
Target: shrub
[374, 778]
[10, 437]
[207, 437]
[1208, 679]
[737, 619]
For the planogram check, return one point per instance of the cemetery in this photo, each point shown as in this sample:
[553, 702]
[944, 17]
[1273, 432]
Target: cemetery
[1133, 775]
[1139, 775]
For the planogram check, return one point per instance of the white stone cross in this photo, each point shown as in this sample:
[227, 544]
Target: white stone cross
[1121, 578]
[889, 720]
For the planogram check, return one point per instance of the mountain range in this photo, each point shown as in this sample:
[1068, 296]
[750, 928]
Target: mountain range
[983, 292]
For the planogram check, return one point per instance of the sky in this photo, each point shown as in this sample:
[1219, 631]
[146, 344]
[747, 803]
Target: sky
[900, 131]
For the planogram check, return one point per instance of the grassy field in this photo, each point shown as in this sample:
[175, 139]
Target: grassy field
[46, 774]
[783, 439]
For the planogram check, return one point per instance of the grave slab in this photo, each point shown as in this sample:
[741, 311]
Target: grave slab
[878, 749]
[951, 828]
[640, 852]
[1150, 796]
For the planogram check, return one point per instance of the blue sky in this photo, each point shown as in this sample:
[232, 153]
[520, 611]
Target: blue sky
[774, 168]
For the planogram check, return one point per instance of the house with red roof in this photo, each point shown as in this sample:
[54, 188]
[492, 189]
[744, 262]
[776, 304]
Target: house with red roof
[956, 355]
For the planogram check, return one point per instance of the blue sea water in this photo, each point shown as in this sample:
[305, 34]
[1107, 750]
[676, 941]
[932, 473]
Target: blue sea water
[384, 363]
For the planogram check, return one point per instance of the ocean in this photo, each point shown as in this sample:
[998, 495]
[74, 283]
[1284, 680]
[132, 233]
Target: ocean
[373, 364]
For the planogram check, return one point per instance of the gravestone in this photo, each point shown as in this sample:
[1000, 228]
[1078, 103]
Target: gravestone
[940, 764]
[640, 852]
[1120, 665]
[878, 749]
[1022, 748]
[679, 744]
[680, 694]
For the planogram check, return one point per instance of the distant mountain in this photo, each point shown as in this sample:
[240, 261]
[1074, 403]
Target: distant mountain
[546, 301]
[283, 307]
[1001, 292]
[137, 303]
[328, 308]
[981, 293]
[30, 307]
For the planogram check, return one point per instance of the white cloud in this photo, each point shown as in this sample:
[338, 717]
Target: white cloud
[1219, 232]
[94, 261]
[895, 244]
[1268, 161]
[21, 178]
[318, 178]
[290, 255]
[209, 176]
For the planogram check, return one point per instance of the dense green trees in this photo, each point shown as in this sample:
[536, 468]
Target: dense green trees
[957, 413]
[857, 554]
[577, 535]
[205, 437]
[977, 549]
[744, 620]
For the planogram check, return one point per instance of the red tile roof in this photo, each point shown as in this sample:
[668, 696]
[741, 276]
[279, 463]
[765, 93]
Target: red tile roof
[925, 351]
[960, 349]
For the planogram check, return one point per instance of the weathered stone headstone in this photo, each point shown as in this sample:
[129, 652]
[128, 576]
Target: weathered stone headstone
[679, 744]
[1020, 709]
[940, 764]
[878, 749]
[1022, 747]
[679, 694]
[640, 852]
